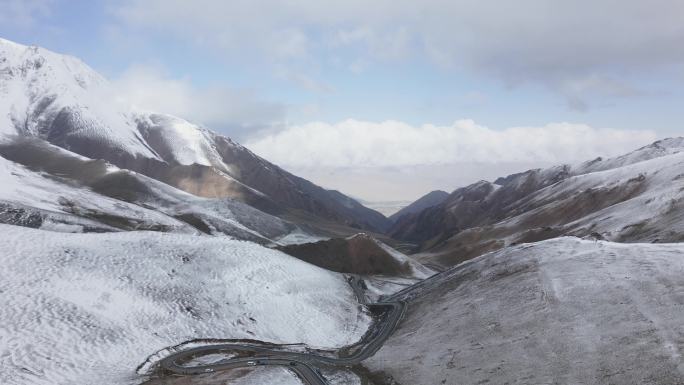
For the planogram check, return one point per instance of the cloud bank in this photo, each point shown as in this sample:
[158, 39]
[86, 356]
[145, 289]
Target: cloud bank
[585, 50]
[359, 144]
[225, 109]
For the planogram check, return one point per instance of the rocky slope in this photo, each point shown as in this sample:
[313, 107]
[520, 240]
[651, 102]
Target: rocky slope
[631, 198]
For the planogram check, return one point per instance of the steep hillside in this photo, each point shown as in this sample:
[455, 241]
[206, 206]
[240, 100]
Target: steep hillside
[430, 199]
[90, 308]
[47, 187]
[358, 254]
[61, 100]
[563, 311]
[632, 198]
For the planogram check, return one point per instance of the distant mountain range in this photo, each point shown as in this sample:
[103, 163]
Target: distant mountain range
[58, 117]
[636, 197]
[126, 235]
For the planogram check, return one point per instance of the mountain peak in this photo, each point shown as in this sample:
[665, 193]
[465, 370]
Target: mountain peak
[59, 99]
[44, 67]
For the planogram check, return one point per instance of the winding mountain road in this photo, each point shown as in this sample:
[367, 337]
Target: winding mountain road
[304, 364]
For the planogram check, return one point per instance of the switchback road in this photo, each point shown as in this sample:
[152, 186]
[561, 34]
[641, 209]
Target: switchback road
[304, 364]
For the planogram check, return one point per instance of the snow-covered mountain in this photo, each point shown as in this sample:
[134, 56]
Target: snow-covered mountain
[562, 311]
[47, 187]
[61, 100]
[124, 233]
[636, 197]
[182, 216]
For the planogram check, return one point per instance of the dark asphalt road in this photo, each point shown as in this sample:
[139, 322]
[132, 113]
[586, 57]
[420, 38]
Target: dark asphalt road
[303, 363]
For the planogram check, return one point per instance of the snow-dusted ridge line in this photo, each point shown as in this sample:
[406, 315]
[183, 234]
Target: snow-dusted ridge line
[38, 87]
[61, 100]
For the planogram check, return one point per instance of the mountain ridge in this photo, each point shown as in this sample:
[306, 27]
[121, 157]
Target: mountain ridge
[430, 199]
[61, 100]
[545, 203]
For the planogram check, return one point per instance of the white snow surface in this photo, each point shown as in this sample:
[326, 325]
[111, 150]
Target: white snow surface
[31, 189]
[417, 269]
[562, 311]
[56, 197]
[37, 84]
[298, 237]
[656, 206]
[379, 286]
[184, 142]
[269, 375]
[655, 150]
[341, 377]
[89, 308]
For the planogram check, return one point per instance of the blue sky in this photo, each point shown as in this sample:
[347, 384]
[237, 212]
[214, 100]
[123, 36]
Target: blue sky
[254, 70]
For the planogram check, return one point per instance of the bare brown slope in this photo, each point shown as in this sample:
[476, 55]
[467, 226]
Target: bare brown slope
[360, 254]
[430, 199]
[479, 204]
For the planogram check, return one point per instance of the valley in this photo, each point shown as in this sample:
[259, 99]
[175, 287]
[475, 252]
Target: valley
[138, 247]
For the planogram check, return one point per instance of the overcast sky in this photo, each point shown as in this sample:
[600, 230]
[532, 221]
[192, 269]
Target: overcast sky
[388, 99]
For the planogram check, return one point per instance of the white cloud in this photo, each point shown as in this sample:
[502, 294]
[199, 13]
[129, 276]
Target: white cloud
[358, 144]
[221, 108]
[393, 160]
[585, 50]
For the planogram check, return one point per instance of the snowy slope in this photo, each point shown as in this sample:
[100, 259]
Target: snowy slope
[34, 200]
[563, 311]
[655, 150]
[647, 194]
[58, 189]
[640, 202]
[61, 100]
[179, 141]
[89, 308]
[636, 197]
